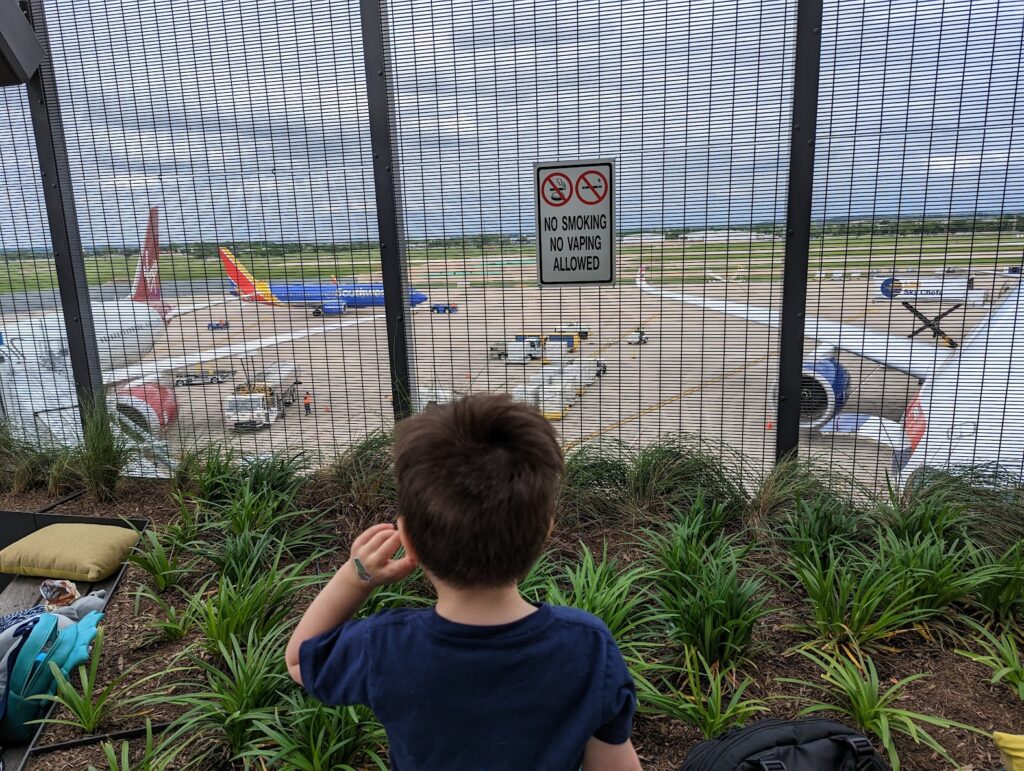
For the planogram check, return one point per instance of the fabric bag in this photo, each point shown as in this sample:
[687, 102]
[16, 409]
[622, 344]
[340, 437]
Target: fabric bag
[29, 673]
[810, 744]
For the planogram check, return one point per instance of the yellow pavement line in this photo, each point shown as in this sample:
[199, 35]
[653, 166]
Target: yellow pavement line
[683, 394]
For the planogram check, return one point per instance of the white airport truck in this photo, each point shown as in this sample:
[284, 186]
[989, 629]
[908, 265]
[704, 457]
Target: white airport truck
[263, 397]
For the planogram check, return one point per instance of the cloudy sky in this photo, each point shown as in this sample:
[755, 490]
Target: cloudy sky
[247, 120]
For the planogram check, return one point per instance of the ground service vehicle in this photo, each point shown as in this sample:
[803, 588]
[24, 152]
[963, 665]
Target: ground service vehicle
[263, 397]
[574, 328]
[213, 326]
[444, 308]
[200, 376]
[639, 337]
[522, 351]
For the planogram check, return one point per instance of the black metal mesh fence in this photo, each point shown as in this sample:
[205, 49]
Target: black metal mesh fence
[245, 125]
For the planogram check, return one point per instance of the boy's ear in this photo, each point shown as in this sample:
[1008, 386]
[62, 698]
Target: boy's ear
[405, 541]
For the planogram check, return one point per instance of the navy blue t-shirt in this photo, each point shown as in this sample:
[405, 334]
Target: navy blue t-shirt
[525, 695]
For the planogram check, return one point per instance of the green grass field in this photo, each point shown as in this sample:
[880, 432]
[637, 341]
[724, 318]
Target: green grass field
[446, 264]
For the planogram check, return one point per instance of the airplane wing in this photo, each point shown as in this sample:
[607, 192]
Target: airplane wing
[187, 309]
[916, 358]
[149, 370]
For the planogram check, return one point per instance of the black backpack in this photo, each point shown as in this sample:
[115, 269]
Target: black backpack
[811, 744]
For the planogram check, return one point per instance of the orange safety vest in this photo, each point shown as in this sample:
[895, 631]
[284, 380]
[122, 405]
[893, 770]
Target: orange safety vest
[307, 399]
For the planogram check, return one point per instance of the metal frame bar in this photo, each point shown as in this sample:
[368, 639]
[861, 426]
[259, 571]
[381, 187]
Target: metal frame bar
[386, 187]
[55, 170]
[798, 224]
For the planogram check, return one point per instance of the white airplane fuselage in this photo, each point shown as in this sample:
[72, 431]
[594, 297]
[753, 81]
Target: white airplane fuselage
[968, 413]
[126, 331]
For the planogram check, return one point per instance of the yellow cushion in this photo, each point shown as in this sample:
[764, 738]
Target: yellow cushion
[1012, 749]
[79, 552]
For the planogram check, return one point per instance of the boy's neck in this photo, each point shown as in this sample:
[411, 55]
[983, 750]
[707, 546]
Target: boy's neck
[481, 607]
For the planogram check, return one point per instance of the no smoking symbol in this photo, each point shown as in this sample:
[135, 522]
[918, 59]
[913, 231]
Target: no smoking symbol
[556, 189]
[591, 187]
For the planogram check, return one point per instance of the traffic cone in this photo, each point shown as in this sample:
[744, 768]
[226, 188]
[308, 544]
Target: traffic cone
[768, 425]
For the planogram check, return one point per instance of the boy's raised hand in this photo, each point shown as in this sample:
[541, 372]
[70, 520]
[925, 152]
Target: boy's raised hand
[374, 549]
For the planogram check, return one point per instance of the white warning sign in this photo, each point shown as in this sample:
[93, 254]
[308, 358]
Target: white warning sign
[575, 222]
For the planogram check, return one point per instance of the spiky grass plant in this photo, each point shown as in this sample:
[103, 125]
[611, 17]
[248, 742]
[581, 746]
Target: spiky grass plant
[364, 473]
[100, 460]
[856, 602]
[23, 465]
[677, 469]
[255, 606]
[789, 483]
[681, 543]
[595, 486]
[163, 565]
[710, 698]
[226, 701]
[305, 735]
[709, 606]
[852, 688]
[1001, 598]
[90, 706]
[171, 623]
[122, 761]
[1002, 654]
[534, 586]
[62, 475]
[620, 597]
[822, 526]
[937, 572]
[989, 499]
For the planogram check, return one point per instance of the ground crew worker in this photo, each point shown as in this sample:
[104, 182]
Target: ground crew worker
[307, 402]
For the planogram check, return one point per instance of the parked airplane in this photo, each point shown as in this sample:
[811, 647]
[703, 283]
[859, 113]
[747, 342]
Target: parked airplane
[37, 393]
[330, 299]
[967, 411]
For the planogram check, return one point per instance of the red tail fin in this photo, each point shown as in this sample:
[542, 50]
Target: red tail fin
[147, 274]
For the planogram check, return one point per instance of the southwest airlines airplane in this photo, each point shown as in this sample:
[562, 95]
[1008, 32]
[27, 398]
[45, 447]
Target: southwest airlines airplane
[37, 392]
[967, 411]
[330, 299]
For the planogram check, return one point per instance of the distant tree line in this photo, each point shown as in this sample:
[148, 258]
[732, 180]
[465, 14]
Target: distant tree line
[888, 225]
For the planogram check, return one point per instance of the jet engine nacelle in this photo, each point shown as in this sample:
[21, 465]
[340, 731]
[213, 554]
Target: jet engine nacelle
[150, 406]
[824, 389]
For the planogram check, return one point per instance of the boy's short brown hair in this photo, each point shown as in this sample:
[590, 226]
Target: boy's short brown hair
[477, 481]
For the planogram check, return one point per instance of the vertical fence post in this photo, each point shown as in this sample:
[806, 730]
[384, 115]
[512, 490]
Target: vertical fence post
[63, 220]
[385, 182]
[798, 224]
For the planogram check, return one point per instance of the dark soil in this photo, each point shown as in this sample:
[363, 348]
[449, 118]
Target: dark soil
[956, 688]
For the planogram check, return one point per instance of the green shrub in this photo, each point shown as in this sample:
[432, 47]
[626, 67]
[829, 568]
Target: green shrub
[681, 543]
[305, 735]
[619, 597]
[936, 572]
[1001, 654]
[255, 606]
[1001, 597]
[711, 698]
[172, 623]
[790, 482]
[23, 465]
[365, 474]
[989, 500]
[214, 475]
[856, 601]
[225, 706]
[162, 565]
[534, 585]
[853, 689]
[709, 607]
[595, 486]
[98, 463]
[823, 526]
[676, 470]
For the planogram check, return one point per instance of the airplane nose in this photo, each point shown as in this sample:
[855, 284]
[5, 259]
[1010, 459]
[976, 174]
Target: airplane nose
[417, 297]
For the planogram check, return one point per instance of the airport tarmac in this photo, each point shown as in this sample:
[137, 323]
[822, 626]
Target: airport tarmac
[699, 373]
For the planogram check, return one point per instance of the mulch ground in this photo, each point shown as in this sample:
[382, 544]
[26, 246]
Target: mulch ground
[956, 688]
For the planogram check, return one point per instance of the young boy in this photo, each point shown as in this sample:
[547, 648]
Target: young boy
[483, 680]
